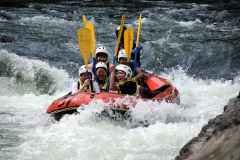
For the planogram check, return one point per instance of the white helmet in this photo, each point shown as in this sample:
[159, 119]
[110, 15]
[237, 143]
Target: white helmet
[124, 68]
[101, 65]
[122, 54]
[82, 70]
[102, 49]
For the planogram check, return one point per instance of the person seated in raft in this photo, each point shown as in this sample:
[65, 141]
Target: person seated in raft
[101, 76]
[84, 84]
[101, 55]
[123, 59]
[123, 83]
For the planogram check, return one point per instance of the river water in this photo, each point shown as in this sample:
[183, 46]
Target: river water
[195, 46]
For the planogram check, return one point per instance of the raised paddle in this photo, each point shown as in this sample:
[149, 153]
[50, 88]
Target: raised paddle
[89, 25]
[119, 36]
[128, 41]
[84, 19]
[84, 41]
[139, 27]
[84, 36]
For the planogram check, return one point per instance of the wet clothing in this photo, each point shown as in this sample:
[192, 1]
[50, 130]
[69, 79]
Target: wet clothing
[103, 86]
[93, 67]
[135, 57]
[129, 87]
[79, 86]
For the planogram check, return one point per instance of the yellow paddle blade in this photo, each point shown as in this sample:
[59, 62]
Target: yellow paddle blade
[128, 41]
[119, 35]
[84, 41]
[84, 19]
[139, 29]
[89, 25]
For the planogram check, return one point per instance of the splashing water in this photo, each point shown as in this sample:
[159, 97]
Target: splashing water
[172, 35]
[28, 132]
[21, 75]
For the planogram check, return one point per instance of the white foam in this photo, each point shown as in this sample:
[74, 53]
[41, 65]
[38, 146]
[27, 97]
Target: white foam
[189, 24]
[47, 21]
[85, 137]
[2, 20]
[202, 98]
[27, 69]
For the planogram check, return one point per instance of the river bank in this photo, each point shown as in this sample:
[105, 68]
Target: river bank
[219, 139]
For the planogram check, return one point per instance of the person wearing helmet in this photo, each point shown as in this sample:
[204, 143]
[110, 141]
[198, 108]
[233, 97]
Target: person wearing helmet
[84, 83]
[136, 51]
[123, 72]
[123, 83]
[101, 55]
[123, 59]
[101, 76]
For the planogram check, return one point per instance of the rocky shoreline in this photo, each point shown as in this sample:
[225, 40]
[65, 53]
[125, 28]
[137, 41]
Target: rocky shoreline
[219, 139]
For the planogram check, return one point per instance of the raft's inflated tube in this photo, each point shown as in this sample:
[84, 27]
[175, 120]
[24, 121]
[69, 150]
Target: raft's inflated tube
[154, 83]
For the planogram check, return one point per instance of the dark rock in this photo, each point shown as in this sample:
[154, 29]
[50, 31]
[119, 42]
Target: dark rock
[219, 139]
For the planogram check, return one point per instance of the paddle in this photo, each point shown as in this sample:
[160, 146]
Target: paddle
[84, 19]
[87, 43]
[84, 41]
[128, 41]
[119, 35]
[139, 30]
[89, 25]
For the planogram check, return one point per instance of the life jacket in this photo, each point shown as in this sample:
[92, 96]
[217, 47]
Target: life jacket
[105, 86]
[129, 87]
[80, 85]
[135, 58]
[94, 61]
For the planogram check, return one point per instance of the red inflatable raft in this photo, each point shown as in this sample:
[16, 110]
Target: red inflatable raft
[158, 89]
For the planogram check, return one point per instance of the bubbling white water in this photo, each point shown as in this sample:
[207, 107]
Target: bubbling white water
[83, 136]
[21, 75]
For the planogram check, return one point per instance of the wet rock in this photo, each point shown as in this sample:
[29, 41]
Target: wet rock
[219, 139]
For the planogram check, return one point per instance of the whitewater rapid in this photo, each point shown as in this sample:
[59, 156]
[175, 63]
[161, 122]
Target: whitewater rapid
[28, 133]
[203, 41]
